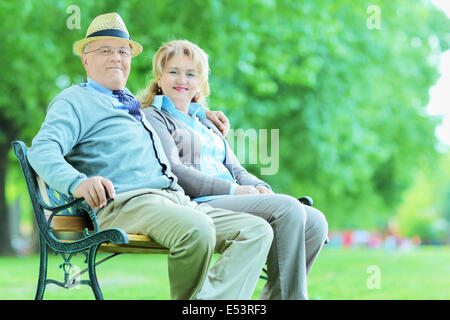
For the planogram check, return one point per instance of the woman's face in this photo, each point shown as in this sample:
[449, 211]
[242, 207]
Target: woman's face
[180, 81]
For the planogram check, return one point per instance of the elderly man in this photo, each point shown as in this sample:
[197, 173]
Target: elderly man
[95, 138]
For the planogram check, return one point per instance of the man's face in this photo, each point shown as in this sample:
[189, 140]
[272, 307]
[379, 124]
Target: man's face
[110, 71]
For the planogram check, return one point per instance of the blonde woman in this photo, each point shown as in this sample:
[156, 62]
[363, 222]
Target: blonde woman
[207, 169]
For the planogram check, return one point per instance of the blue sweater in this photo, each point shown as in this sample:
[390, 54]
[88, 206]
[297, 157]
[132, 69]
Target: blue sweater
[83, 135]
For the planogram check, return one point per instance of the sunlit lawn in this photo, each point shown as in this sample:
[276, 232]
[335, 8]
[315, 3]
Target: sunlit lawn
[422, 273]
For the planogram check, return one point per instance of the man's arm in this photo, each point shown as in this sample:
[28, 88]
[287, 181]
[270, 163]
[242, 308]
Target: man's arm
[58, 135]
[93, 191]
[219, 119]
[60, 132]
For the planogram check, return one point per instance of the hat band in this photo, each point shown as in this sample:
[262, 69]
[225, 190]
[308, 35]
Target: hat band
[110, 33]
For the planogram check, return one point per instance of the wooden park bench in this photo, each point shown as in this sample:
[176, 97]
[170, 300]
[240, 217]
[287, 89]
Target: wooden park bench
[55, 213]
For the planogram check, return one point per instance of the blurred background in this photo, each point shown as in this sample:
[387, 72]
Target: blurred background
[359, 91]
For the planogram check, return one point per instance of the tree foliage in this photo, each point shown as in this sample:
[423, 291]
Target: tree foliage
[349, 101]
[425, 209]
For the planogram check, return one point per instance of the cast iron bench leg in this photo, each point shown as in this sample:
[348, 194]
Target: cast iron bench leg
[92, 273]
[43, 258]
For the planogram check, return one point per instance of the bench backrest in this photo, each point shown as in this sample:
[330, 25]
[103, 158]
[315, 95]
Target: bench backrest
[43, 198]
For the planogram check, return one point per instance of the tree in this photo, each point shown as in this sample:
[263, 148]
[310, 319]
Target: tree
[349, 101]
[33, 68]
[424, 211]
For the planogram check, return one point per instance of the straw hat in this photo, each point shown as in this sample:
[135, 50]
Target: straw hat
[107, 26]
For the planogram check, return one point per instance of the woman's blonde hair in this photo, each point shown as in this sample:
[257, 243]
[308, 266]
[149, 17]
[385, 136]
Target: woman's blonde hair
[164, 54]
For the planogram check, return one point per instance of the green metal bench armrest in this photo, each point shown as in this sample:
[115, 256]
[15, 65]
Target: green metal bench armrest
[57, 209]
[44, 224]
[306, 200]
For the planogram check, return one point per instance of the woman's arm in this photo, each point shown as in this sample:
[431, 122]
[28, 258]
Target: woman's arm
[248, 182]
[242, 176]
[193, 181]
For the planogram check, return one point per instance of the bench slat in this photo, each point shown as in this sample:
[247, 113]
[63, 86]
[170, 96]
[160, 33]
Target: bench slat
[137, 243]
[71, 223]
[114, 248]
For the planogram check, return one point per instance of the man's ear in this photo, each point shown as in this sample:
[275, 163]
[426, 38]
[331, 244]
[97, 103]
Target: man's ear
[84, 60]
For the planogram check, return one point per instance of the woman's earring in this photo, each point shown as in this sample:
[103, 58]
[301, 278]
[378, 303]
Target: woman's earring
[159, 90]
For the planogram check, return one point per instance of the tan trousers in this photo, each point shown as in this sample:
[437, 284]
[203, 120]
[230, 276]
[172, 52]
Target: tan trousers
[193, 233]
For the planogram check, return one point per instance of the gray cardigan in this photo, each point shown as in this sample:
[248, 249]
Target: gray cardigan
[184, 154]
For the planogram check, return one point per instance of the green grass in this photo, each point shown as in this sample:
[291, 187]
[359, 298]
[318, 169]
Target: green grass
[422, 273]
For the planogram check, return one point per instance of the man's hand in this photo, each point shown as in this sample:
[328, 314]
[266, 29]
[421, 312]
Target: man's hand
[264, 190]
[220, 120]
[93, 191]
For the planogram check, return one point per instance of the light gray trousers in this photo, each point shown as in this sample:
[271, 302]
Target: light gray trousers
[299, 235]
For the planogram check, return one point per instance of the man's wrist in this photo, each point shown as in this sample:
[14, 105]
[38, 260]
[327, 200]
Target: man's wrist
[73, 187]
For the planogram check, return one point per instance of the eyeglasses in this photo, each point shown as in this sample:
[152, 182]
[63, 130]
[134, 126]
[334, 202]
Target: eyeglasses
[107, 51]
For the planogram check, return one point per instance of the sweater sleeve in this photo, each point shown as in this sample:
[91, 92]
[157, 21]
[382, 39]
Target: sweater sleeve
[193, 181]
[242, 176]
[57, 136]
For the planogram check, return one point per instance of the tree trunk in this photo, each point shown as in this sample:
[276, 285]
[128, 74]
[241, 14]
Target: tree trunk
[5, 232]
